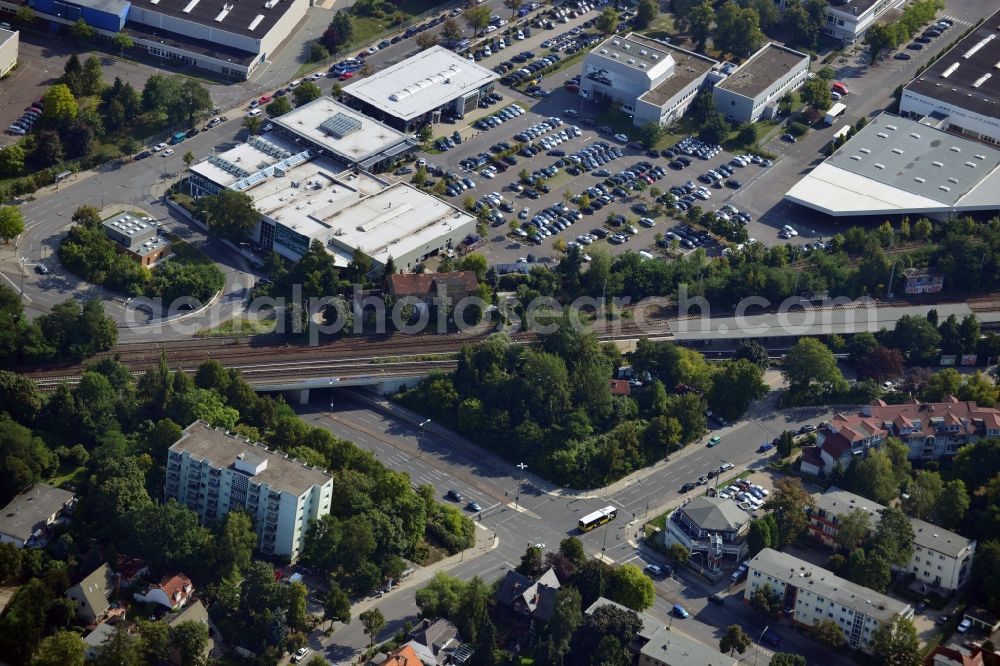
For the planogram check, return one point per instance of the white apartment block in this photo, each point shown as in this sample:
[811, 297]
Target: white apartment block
[812, 594]
[213, 472]
[755, 88]
[651, 80]
[9, 42]
[848, 21]
[941, 558]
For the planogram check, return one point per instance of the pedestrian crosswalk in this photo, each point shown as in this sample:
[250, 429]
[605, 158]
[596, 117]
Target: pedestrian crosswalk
[956, 21]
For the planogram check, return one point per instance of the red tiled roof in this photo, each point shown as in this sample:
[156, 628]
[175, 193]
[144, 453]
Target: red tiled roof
[836, 445]
[811, 454]
[176, 586]
[620, 387]
[404, 656]
[422, 284]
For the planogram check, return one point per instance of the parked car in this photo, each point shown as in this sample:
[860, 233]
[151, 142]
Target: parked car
[454, 495]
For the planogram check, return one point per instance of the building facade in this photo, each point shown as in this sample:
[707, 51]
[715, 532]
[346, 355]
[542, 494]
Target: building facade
[9, 43]
[212, 473]
[137, 239]
[960, 92]
[810, 594]
[754, 89]
[422, 89]
[941, 558]
[653, 81]
[712, 526]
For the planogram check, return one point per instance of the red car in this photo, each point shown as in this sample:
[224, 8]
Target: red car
[265, 99]
[840, 88]
[346, 75]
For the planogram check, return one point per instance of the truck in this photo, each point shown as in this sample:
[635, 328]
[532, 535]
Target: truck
[834, 111]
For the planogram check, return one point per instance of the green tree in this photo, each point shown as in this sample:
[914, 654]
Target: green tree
[786, 442]
[759, 536]
[737, 30]
[646, 13]
[852, 529]
[123, 41]
[700, 19]
[195, 100]
[607, 21]
[816, 93]
[916, 337]
[306, 92]
[336, 605]
[25, 15]
[810, 363]
[59, 105]
[339, 32]
[873, 477]
[895, 643]
[923, 494]
[650, 133]
[91, 78]
[477, 17]
[735, 387]
[190, 638]
[296, 615]
[735, 640]
[373, 622]
[253, 124]
[64, 648]
[81, 30]
[879, 38]
[952, 505]
[829, 633]
[12, 161]
[893, 538]
[715, 128]
[229, 214]
[604, 637]
[787, 659]
[766, 601]
[235, 543]
[632, 588]
[279, 107]
[11, 222]
[678, 553]
[787, 502]
[531, 562]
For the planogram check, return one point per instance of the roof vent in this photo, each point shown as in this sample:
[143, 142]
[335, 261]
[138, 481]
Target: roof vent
[975, 49]
[952, 179]
[856, 158]
[981, 80]
[944, 188]
[898, 151]
[615, 42]
[919, 179]
[951, 70]
[604, 51]
[866, 151]
[654, 56]
[980, 157]
[642, 65]
[626, 46]
[616, 55]
[955, 149]
[892, 127]
[914, 135]
[971, 164]
[938, 164]
[879, 166]
[883, 135]
[643, 52]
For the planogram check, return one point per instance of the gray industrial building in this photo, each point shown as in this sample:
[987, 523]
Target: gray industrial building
[754, 89]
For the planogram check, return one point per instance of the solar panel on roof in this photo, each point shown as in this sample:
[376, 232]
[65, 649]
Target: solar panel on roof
[340, 125]
[268, 148]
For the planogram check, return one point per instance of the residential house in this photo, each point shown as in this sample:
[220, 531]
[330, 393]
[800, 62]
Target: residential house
[404, 656]
[24, 522]
[90, 596]
[954, 656]
[173, 591]
[437, 643]
[130, 570]
[941, 558]
[96, 639]
[532, 599]
[932, 431]
[711, 526]
[810, 594]
[656, 645]
[425, 287]
[195, 612]
[620, 387]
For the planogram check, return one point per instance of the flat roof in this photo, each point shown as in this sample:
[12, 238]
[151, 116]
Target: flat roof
[128, 225]
[688, 66]
[348, 134]
[258, 152]
[421, 83]
[848, 7]
[31, 509]
[249, 18]
[6, 34]
[650, 57]
[202, 47]
[393, 221]
[896, 165]
[808, 576]
[763, 68]
[667, 646]
[967, 76]
[117, 7]
[220, 449]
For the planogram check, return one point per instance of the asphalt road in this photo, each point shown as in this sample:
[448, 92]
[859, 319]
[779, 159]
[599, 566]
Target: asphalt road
[547, 517]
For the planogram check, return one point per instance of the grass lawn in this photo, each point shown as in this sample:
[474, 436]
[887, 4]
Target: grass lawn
[74, 477]
[662, 27]
[238, 326]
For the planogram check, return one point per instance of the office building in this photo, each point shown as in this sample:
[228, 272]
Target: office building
[653, 81]
[849, 21]
[811, 594]
[422, 89]
[754, 89]
[137, 239]
[228, 37]
[25, 521]
[213, 472]
[941, 559]
[9, 44]
[960, 91]
[898, 166]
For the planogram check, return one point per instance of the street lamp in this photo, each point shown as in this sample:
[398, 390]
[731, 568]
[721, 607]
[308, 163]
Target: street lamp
[759, 639]
[517, 495]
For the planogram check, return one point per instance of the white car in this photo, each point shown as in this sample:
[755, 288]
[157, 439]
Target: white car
[294, 83]
[300, 654]
[964, 625]
[491, 28]
[160, 146]
[168, 152]
[253, 113]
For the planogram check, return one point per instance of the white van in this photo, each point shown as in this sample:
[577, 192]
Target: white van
[645, 255]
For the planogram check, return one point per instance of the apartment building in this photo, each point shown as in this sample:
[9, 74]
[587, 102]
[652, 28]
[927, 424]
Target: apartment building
[932, 431]
[213, 472]
[941, 558]
[811, 594]
[755, 88]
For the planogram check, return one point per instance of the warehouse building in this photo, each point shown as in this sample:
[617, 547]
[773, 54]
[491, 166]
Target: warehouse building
[9, 43]
[755, 88]
[229, 37]
[329, 128]
[898, 166]
[652, 80]
[960, 91]
[421, 89]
